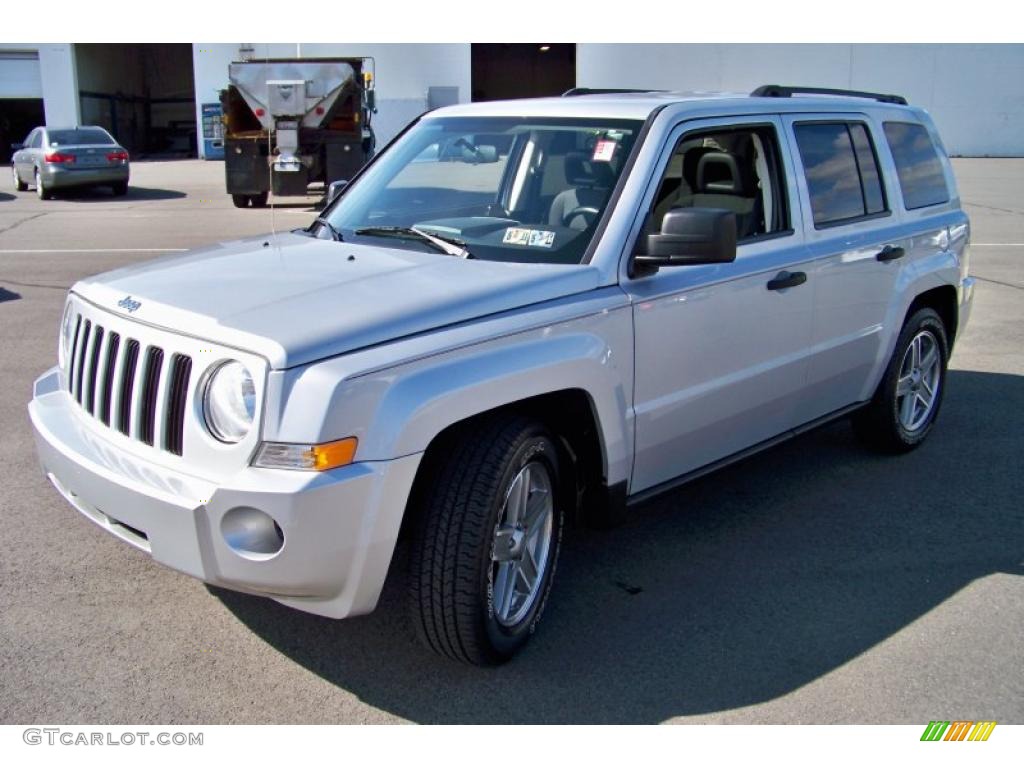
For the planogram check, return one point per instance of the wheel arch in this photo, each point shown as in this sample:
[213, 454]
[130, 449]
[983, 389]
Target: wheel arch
[942, 299]
[572, 418]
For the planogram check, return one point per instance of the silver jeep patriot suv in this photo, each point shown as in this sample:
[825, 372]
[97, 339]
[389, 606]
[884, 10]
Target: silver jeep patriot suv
[519, 315]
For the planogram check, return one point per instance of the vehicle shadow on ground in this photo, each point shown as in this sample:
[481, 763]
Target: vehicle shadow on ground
[6, 295]
[104, 195]
[736, 589]
[5, 197]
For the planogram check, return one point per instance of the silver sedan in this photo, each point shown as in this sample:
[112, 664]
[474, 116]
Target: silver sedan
[52, 159]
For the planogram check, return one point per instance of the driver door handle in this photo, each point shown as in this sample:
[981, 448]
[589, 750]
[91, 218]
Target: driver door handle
[786, 280]
[890, 253]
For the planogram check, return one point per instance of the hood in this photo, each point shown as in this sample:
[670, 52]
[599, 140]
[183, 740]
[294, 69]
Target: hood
[296, 299]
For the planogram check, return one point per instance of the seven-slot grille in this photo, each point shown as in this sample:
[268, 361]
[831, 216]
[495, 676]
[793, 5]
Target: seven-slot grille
[128, 385]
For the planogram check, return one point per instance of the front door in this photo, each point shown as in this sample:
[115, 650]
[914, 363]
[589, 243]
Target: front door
[721, 350]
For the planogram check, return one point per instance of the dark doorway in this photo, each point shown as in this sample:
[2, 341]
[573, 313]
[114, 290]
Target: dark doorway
[522, 70]
[17, 119]
[144, 94]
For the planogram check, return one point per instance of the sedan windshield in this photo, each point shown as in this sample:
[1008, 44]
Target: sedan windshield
[502, 189]
[71, 136]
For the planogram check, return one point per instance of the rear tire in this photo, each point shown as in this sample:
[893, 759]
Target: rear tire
[19, 185]
[486, 540]
[260, 200]
[120, 189]
[41, 191]
[240, 201]
[903, 411]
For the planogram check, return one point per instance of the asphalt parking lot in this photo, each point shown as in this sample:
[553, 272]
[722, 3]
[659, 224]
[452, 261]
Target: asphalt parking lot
[814, 583]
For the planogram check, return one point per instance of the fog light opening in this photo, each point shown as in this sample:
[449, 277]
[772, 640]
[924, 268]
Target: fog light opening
[252, 533]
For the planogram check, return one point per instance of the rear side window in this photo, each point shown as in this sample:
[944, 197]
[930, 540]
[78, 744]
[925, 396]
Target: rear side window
[917, 164]
[841, 169]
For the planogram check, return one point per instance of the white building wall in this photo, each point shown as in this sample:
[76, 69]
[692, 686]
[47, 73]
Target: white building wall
[404, 72]
[57, 79]
[975, 93]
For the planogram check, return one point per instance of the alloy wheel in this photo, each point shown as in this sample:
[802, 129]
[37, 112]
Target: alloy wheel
[522, 542]
[917, 387]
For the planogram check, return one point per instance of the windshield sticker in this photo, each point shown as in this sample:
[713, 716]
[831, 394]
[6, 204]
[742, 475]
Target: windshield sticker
[604, 150]
[537, 238]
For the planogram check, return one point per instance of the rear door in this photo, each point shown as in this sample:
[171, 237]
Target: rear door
[854, 235]
[720, 354]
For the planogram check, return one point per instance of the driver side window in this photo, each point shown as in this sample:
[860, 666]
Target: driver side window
[737, 169]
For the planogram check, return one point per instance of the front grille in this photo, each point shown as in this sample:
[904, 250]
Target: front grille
[119, 379]
[181, 372]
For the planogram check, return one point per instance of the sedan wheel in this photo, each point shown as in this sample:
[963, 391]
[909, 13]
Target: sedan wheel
[19, 185]
[41, 191]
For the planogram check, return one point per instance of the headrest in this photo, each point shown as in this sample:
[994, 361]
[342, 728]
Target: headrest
[581, 171]
[719, 173]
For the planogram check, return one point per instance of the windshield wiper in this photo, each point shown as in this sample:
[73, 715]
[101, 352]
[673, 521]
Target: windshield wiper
[335, 234]
[450, 245]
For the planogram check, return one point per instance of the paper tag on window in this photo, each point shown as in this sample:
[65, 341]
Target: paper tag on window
[604, 150]
[537, 238]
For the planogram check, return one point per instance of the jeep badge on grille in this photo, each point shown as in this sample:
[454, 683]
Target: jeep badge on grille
[129, 303]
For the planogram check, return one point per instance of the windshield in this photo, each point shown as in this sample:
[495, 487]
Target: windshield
[79, 136]
[508, 189]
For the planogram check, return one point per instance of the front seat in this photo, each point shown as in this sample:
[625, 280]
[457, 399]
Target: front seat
[724, 182]
[579, 206]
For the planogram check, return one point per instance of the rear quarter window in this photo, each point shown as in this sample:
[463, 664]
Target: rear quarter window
[917, 164]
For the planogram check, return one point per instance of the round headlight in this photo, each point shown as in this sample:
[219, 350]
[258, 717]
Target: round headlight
[229, 402]
[66, 329]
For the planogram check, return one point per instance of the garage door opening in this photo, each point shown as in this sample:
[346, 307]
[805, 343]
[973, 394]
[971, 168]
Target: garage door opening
[522, 70]
[17, 119]
[144, 94]
[21, 98]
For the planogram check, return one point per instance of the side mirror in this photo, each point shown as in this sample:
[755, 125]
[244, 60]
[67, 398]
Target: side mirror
[690, 236]
[335, 189]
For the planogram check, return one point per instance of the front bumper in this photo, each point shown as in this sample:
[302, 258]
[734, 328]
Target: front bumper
[59, 177]
[339, 527]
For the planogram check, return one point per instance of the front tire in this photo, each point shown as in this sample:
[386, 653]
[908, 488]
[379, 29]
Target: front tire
[487, 540]
[240, 201]
[907, 401]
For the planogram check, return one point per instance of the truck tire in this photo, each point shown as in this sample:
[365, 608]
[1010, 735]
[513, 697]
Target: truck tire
[240, 201]
[903, 411]
[486, 541]
[260, 200]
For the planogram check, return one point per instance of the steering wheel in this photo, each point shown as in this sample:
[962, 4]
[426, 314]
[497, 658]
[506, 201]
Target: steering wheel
[581, 210]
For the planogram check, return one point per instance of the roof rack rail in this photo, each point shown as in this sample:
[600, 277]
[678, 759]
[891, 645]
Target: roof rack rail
[590, 91]
[785, 91]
